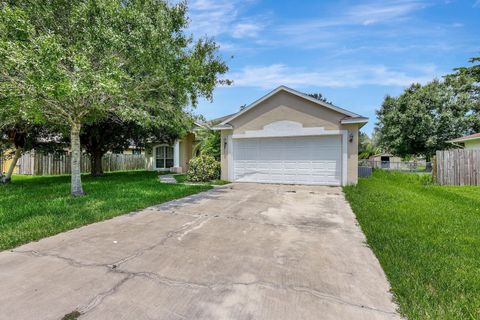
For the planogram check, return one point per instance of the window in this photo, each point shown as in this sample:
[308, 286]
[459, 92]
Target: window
[164, 157]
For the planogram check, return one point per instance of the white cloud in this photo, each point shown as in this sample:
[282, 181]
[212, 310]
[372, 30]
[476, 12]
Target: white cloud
[347, 76]
[217, 17]
[344, 22]
[242, 30]
[375, 12]
[362, 14]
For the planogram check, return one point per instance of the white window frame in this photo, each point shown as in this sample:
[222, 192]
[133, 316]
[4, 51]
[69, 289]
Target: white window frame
[165, 157]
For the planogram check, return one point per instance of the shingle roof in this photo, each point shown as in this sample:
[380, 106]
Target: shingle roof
[466, 138]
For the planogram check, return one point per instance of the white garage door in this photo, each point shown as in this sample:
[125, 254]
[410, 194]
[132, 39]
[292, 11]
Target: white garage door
[296, 160]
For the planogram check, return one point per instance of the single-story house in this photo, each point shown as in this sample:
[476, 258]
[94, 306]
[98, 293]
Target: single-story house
[468, 142]
[174, 158]
[289, 137]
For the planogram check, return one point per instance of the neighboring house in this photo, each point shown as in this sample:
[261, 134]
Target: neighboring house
[5, 161]
[468, 142]
[383, 160]
[134, 150]
[175, 157]
[289, 137]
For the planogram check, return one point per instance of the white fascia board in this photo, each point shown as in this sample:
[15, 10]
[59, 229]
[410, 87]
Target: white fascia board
[201, 125]
[294, 92]
[354, 120]
[223, 127]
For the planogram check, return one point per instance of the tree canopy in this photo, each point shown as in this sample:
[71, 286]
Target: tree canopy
[319, 96]
[72, 63]
[424, 117]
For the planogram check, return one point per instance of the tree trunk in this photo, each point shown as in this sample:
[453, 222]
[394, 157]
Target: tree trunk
[96, 164]
[76, 178]
[8, 177]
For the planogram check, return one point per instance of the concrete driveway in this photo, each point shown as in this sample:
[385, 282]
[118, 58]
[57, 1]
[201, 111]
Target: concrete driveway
[244, 251]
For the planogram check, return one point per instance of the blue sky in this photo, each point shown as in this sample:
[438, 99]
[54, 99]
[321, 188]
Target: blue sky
[353, 52]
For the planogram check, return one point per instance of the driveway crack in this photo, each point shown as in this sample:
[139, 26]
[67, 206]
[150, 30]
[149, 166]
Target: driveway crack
[98, 299]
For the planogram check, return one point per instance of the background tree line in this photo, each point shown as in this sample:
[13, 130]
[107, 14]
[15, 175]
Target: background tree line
[423, 118]
[99, 73]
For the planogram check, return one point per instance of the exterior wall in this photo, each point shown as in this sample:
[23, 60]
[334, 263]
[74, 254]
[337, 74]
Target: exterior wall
[286, 106]
[224, 153]
[392, 158]
[472, 144]
[6, 161]
[132, 151]
[186, 145]
[352, 153]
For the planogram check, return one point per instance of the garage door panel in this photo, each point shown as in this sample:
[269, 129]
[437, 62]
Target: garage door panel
[315, 160]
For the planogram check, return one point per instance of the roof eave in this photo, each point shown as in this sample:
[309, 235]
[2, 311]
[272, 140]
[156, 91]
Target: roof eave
[361, 121]
[223, 127]
[294, 92]
[463, 140]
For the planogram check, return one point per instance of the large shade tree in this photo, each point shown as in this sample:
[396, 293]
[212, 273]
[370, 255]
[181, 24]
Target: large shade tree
[465, 82]
[423, 118]
[73, 62]
[113, 134]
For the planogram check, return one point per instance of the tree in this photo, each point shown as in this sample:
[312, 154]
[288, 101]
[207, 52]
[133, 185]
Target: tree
[319, 96]
[465, 82]
[108, 134]
[210, 142]
[74, 62]
[423, 118]
[116, 135]
[366, 146]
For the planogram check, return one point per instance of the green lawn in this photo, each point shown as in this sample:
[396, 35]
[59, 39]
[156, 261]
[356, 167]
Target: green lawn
[427, 238]
[36, 207]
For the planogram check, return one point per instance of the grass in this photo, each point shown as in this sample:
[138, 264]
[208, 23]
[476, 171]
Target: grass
[182, 178]
[427, 239]
[32, 208]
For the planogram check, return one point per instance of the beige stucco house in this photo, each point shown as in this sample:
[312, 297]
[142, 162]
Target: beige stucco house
[468, 142]
[173, 157]
[289, 137]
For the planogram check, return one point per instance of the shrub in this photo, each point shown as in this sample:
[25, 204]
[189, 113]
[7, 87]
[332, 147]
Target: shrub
[203, 169]
[426, 179]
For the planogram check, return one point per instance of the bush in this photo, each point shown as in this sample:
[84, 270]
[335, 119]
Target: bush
[203, 169]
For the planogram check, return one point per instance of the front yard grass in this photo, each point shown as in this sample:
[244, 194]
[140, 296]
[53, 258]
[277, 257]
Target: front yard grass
[427, 239]
[32, 208]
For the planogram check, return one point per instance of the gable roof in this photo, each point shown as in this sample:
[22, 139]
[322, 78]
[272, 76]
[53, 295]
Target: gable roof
[466, 138]
[350, 117]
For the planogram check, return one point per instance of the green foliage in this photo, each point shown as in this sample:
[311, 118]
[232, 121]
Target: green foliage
[320, 97]
[32, 208]
[210, 142]
[71, 63]
[366, 147]
[426, 239]
[423, 118]
[203, 169]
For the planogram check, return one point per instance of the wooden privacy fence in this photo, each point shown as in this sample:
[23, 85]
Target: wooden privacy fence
[59, 163]
[458, 167]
